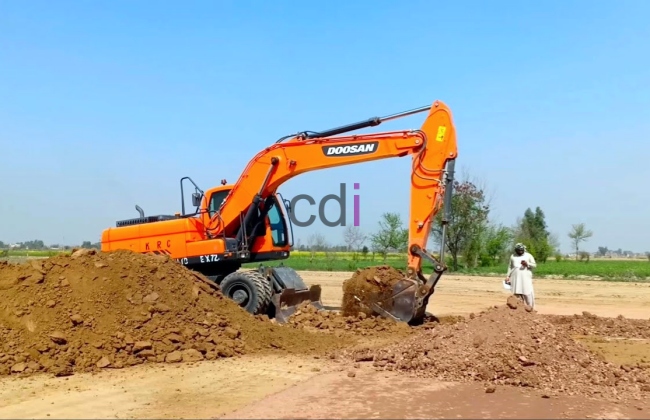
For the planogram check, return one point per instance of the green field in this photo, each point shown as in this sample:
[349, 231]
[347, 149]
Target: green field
[612, 270]
[28, 253]
[609, 270]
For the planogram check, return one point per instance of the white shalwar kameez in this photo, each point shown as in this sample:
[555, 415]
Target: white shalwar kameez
[521, 278]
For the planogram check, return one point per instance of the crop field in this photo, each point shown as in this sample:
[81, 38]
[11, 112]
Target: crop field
[634, 270]
[611, 270]
[31, 254]
[605, 269]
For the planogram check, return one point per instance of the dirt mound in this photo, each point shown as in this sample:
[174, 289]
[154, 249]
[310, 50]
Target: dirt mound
[307, 316]
[509, 345]
[96, 310]
[370, 285]
[589, 324]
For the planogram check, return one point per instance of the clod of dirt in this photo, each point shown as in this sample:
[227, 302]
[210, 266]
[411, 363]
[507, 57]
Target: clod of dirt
[370, 285]
[505, 346]
[58, 337]
[77, 253]
[121, 308]
[104, 362]
[174, 357]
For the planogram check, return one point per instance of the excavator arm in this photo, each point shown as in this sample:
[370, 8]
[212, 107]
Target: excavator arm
[433, 149]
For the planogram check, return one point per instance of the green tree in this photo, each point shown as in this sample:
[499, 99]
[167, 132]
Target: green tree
[391, 235]
[365, 251]
[579, 233]
[35, 244]
[467, 225]
[495, 249]
[532, 231]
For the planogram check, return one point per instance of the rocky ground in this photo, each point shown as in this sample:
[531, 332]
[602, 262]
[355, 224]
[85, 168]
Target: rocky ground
[509, 345]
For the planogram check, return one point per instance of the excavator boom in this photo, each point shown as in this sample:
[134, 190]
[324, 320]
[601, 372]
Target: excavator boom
[433, 149]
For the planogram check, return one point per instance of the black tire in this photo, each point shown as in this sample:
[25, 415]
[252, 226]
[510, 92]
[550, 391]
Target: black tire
[250, 289]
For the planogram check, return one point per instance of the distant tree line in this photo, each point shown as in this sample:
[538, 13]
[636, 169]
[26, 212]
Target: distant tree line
[39, 245]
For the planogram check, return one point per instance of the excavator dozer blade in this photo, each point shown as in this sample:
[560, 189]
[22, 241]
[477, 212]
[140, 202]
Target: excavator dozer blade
[294, 293]
[401, 305]
[288, 301]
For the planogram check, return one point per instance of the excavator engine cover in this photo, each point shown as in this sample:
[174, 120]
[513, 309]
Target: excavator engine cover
[292, 292]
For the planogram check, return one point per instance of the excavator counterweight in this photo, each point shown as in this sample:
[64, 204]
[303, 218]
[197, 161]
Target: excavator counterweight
[248, 222]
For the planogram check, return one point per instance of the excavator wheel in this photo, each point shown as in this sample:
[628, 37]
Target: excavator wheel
[248, 288]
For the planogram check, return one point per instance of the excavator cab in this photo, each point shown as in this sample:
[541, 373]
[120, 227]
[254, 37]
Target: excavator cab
[273, 291]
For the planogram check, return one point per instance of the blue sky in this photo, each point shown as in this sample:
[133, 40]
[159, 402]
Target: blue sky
[107, 104]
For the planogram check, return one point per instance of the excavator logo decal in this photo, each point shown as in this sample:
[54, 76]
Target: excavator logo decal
[159, 245]
[441, 133]
[351, 149]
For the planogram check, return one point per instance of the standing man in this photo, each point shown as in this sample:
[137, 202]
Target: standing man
[520, 275]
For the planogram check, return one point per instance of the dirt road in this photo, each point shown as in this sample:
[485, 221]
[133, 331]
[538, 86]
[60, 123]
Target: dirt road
[303, 387]
[273, 387]
[202, 390]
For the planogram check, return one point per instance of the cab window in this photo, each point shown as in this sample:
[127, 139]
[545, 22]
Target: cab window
[216, 200]
[278, 230]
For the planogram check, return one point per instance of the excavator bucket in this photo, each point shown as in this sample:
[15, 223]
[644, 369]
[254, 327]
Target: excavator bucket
[401, 305]
[293, 292]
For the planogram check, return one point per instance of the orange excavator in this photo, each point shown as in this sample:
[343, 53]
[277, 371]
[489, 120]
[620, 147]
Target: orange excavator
[249, 222]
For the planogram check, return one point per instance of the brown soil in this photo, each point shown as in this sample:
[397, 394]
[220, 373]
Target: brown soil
[619, 340]
[487, 345]
[589, 324]
[97, 310]
[508, 345]
[308, 317]
[370, 285]
[620, 351]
